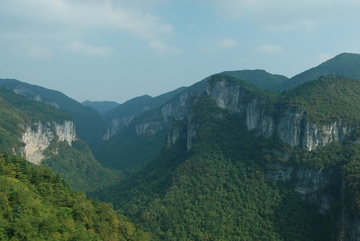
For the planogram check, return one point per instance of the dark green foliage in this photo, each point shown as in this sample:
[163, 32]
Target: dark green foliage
[78, 166]
[327, 100]
[36, 204]
[74, 163]
[33, 111]
[16, 112]
[90, 125]
[346, 64]
[139, 104]
[216, 191]
[260, 78]
[129, 152]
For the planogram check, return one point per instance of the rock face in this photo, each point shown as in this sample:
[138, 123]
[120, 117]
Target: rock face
[309, 182]
[290, 125]
[116, 125]
[38, 138]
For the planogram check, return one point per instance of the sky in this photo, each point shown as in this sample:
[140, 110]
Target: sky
[115, 50]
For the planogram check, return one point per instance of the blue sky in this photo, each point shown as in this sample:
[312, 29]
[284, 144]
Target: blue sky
[119, 49]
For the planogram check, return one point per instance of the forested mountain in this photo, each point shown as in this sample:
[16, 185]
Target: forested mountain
[101, 106]
[142, 136]
[346, 64]
[90, 125]
[36, 204]
[45, 134]
[230, 158]
[247, 164]
[121, 116]
[260, 78]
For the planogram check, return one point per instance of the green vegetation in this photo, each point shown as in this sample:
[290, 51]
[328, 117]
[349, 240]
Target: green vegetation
[260, 78]
[327, 100]
[216, 191]
[129, 152]
[36, 204]
[345, 64]
[90, 125]
[78, 166]
[75, 163]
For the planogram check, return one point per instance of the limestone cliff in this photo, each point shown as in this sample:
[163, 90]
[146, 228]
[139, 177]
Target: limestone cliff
[288, 123]
[39, 137]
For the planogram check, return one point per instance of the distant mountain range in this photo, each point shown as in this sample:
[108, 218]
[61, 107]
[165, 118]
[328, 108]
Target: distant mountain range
[239, 155]
[101, 106]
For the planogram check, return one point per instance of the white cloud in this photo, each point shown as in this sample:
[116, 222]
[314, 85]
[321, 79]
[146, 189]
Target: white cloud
[227, 43]
[163, 48]
[83, 16]
[268, 49]
[87, 49]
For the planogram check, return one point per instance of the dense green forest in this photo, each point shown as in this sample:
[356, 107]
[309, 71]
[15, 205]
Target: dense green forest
[260, 78]
[345, 64]
[217, 191]
[74, 163]
[230, 184]
[328, 99]
[36, 204]
[90, 124]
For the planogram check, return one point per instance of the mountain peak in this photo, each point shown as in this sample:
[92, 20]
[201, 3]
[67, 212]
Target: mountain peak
[346, 64]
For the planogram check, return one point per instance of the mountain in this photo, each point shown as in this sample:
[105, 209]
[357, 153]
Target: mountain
[101, 106]
[46, 135]
[260, 78]
[38, 205]
[346, 64]
[90, 125]
[223, 159]
[243, 163]
[142, 125]
[122, 115]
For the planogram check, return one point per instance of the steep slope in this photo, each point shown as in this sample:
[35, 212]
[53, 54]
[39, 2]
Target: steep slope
[89, 123]
[260, 78]
[101, 106]
[346, 64]
[242, 163]
[37, 205]
[142, 136]
[45, 134]
[121, 116]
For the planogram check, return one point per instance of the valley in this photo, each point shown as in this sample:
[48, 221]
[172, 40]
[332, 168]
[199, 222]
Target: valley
[239, 155]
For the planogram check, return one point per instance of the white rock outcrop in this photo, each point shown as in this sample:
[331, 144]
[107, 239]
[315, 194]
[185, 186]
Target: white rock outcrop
[36, 139]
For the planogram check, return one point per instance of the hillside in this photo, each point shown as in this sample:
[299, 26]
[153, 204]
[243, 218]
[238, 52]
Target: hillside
[329, 99]
[247, 164]
[90, 124]
[142, 136]
[121, 116]
[260, 78]
[345, 64]
[38, 205]
[46, 135]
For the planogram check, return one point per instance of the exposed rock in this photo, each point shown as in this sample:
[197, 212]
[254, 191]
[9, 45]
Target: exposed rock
[291, 126]
[66, 132]
[36, 141]
[309, 182]
[40, 137]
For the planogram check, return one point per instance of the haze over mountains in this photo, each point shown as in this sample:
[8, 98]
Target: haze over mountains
[239, 155]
